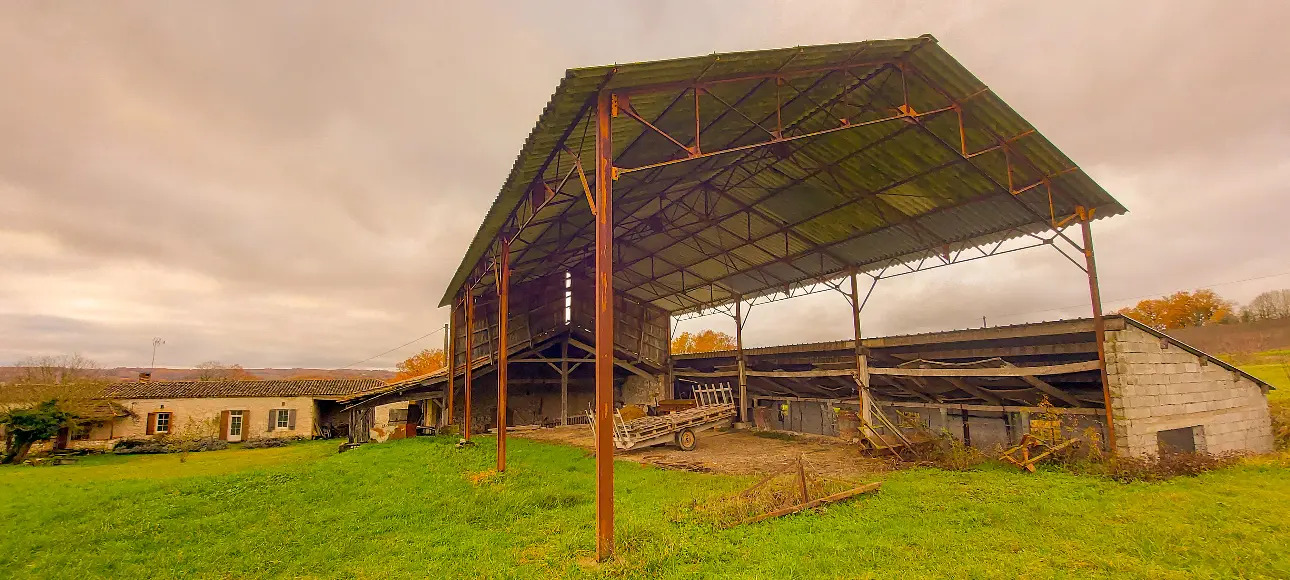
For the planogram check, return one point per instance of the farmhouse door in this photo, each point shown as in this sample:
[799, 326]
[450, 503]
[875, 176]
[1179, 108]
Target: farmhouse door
[236, 426]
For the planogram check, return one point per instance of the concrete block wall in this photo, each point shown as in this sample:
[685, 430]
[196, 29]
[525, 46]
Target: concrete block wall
[1156, 386]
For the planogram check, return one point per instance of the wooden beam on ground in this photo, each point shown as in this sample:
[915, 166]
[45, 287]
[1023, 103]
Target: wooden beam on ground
[866, 488]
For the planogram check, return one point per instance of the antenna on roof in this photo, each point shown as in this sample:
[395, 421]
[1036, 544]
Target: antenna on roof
[156, 342]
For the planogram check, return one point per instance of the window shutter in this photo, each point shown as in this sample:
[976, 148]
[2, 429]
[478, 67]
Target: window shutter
[151, 427]
[291, 419]
[246, 424]
[273, 418]
[223, 425]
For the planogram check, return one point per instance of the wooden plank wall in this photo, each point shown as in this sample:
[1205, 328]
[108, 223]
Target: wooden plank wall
[640, 330]
[538, 311]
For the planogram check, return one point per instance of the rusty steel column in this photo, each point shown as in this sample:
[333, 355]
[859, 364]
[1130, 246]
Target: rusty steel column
[470, 351]
[503, 311]
[450, 359]
[862, 360]
[1099, 323]
[742, 363]
[604, 329]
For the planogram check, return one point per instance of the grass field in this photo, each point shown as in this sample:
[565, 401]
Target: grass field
[411, 509]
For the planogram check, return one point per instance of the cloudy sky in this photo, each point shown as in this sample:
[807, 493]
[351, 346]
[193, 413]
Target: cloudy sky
[293, 183]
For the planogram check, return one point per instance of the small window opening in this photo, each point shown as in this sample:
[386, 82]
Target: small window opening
[1177, 440]
[568, 297]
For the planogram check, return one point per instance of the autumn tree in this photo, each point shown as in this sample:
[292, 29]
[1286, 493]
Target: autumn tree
[704, 341]
[422, 363]
[213, 370]
[1271, 305]
[1181, 310]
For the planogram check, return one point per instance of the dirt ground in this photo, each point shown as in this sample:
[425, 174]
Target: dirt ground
[736, 452]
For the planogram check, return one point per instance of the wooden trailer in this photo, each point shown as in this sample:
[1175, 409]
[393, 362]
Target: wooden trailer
[714, 405]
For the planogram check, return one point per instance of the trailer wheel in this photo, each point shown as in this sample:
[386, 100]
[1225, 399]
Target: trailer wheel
[687, 440]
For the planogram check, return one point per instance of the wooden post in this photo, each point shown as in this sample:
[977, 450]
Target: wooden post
[470, 352]
[450, 359]
[670, 377]
[743, 367]
[503, 277]
[604, 328]
[564, 381]
[1099, 323]
[862, 357]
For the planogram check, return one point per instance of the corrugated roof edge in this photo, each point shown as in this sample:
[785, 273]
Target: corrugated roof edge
[496, 214]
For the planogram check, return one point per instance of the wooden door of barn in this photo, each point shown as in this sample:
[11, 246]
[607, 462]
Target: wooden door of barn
[360, 425]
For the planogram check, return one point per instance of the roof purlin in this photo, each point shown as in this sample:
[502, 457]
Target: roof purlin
[943, 75]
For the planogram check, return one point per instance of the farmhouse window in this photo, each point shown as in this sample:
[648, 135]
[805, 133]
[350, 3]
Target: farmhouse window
[398, 416]
[282, 419]
[235, 424]
[163, 423]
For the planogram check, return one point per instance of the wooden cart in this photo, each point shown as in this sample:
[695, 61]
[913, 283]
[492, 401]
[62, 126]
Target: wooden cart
[714, 405]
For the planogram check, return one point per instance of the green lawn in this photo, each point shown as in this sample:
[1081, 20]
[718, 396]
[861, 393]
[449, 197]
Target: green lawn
[1276, 375]
[409, 509]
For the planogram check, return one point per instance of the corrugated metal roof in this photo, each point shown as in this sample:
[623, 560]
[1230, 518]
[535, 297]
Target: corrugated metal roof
[854, 198]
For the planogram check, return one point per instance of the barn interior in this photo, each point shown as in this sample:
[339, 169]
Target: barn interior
[715, 183]
[709, 185]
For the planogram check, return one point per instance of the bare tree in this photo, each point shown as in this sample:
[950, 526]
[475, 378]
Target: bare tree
[217, 371]
[1269, 305]
[43, 378]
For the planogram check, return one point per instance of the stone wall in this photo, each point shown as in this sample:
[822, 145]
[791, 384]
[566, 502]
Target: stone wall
[203, 415]
[526, 405]
[1156, 386]
[638, 390]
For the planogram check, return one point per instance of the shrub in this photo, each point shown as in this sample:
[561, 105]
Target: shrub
[263, 442]
[139, 446]
[946, 452]
[1280, 423]
[1160, 467]
[939, 449]
[162, 445]
[203, 444]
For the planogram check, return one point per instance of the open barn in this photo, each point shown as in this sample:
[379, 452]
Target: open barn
[657, 191]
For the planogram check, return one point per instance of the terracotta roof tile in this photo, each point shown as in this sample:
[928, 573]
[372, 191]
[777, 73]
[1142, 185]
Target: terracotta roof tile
[211, 389]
